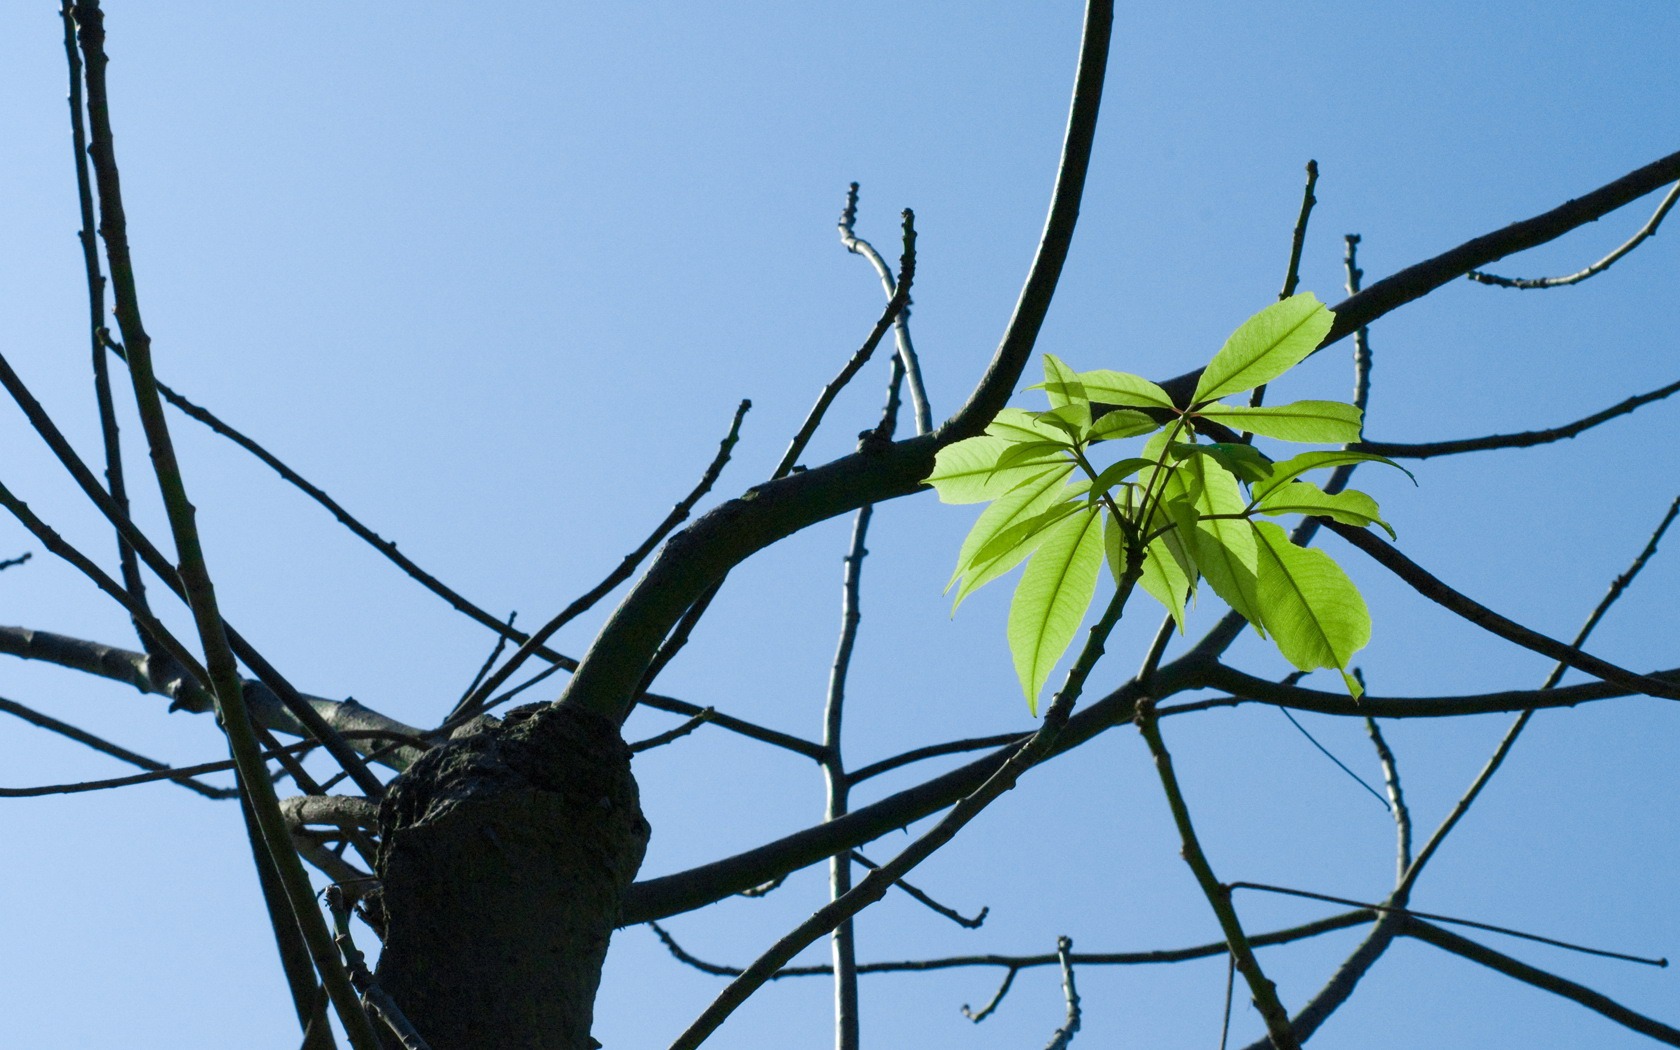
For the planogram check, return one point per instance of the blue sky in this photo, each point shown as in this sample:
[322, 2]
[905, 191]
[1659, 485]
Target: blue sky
[496, 277]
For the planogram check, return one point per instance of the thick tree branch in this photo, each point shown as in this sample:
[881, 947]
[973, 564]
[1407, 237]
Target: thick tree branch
[1416, 281]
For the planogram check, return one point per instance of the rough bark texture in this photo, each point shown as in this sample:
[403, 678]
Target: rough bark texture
[504, 857]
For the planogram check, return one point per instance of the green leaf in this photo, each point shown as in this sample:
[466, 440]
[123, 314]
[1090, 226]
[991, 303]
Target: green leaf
[1032, 453]
[1314, 612]
[1265, 346]
[1122, 423]
[1060, 384]
[1328, 422]
[1105, 387]
[1115, 473]
[999, 543]
[1072, 419]
[1244, 461]
[968, 472]
[1052, 598]
[1290, 469]
[1017, 425]
[1350, 506]
[1224, 546]
[1165, 578]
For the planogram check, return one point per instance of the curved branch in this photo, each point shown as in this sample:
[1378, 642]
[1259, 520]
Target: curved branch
[1417, 281]
[1648, 230]
[1525, 439]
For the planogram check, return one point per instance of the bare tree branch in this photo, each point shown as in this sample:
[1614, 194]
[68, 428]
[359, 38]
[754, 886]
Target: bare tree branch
[82, 736]
[901, 324]
[1594, 1001]
[1525, 439]
[1648, 230]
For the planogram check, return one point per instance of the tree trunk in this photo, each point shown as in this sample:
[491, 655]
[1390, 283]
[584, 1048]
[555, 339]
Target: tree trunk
[504, 858]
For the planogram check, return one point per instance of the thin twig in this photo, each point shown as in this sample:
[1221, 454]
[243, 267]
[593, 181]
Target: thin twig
[895, 305]
[1523, 439]
[489, 662]
[374, 998]
[1648, 230]
[951, 747]
[1062, 1038]
[1230, 994]
[1261, 987]
[12, 563]
[1617, 586]
[128, 564]
[901, 326]
[932, 905]
[1506, 930]
[660, 740]
[1539, 978]
[1156, 957]
[475, 701]
[1362, 360]
[1396, 799]
[82, 736]
[997, 998]
[875, 885]
[167, 773]
[306, 715]
[1356, 778]
[1431, 587]
[1292, 275]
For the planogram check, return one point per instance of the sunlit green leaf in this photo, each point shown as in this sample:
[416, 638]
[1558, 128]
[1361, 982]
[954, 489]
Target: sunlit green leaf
[1122, 423]
[1032, 453]
[1288, 470]
[1105, 387]
[1265, 346]
[999, 543]
[1326, 422]
[1244, 461]
[1072, 419]
[1350, 506]
[967, 471]
[1164, 578]
[1052, 597]
[1115, 473]
[1224, 546]
[1017, 424]
[1313, 611]
[1060, 384]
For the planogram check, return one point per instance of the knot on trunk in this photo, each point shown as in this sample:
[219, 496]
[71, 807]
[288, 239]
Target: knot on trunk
[504, 857]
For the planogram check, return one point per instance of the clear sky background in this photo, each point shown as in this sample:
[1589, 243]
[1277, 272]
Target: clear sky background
[496, 275]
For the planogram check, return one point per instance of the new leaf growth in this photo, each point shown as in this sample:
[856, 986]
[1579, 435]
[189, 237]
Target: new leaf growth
[1182, 510]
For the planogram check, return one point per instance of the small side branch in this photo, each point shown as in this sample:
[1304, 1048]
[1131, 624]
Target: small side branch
[705, 715]
[1648, 230]
[1218, 896]
[11, 563]
[374, 999]
[901, 325]
[82, 736]
[951, 747]
[1524, 439]
[1396, 799]
[475, 701]
[1521, 971]
[1062, 1038]
[928, 902]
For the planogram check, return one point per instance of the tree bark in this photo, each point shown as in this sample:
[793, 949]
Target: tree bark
[504, 858]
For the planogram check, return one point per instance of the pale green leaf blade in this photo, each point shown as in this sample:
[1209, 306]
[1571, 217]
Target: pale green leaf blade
[1017, 424]
[1010, 545]
[1032, 453]
[1350, 506]
[1322, 422]
[1052, 598]
[1243, 461]
[1060, 384]
[1165, 580]
[1314, 612]
[1122, 423]
[1115, 473]
[1107, 387]
[1290, 469]
[1265, 346]
[1224, 546]
[967, 471]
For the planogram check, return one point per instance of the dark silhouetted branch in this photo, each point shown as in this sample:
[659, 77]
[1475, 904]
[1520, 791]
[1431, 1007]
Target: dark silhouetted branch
[932, 905]
[901, 324]
[1648, 230]
[82, 736]
[1525, 439]
[1578, 993]
[952, 747]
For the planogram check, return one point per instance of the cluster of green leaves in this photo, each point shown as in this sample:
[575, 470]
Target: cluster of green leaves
[1183, 510]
